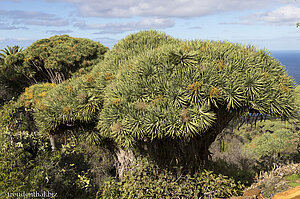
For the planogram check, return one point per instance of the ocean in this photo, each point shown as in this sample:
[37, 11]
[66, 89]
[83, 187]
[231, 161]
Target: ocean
[291, 60]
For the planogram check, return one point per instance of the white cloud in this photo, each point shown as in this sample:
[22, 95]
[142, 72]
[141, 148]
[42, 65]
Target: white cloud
[58, 32]
[115, 28]
[106, 41]
[285, 15]
[33, 18]
[22, 42]
[165, 8]
[6, 26]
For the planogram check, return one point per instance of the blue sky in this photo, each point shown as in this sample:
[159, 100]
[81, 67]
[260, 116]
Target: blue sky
[269, 24]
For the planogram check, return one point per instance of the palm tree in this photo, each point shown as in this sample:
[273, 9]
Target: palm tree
[9, 51]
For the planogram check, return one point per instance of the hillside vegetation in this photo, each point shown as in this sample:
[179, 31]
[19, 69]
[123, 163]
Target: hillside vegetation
[152, 117]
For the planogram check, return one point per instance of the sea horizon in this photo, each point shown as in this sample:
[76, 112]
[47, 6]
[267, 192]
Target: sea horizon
[291, 60]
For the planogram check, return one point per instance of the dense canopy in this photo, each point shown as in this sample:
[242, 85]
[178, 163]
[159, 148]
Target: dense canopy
[152, 86]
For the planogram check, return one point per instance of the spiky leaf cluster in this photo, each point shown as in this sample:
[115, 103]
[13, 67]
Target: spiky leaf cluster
[75, 100]
[180, 88]
[55, 59]
[152, 86]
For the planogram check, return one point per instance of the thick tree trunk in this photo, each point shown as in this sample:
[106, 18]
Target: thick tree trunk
[189, 153]
[125, 159]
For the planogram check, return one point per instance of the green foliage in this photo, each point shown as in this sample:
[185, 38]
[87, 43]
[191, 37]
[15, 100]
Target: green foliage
[29, 165]
[8, 51]
[77, 171]
[72, 102]
[144, 179]
[14, 117]
[297, 99]
[18, 153]
[181, 89]
[269, 144]
[53, 59]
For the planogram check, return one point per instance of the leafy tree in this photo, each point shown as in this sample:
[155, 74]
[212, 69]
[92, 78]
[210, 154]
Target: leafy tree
[171, 98]
[6, 90]
[52, 60]
[188, 92]
[9, 51]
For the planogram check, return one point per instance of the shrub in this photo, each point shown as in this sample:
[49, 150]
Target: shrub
[144, 179]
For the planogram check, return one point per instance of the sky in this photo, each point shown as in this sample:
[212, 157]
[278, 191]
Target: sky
[266, 24]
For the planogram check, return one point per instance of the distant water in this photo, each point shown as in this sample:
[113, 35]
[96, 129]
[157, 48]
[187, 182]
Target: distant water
[291, 60]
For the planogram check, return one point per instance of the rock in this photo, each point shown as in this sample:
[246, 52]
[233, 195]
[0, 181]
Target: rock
[289, 194]
[255, 193]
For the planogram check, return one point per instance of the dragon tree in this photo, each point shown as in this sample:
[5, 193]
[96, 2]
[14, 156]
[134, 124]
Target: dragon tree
[169, 98]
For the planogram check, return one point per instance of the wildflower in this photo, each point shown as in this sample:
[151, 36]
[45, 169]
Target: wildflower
[221, 64]
[109, 76]
[42, 94]
[194, 87]
[116, 101]
[89, 78]
[69, 88]
[66, 109]
[214, 92]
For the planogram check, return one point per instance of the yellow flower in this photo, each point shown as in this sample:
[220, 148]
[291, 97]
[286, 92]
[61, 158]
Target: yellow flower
[214, 92]
[89, 78]
[37, 101]
[66, 109]
[69, 88]
[109, 76]
[43, 107]
[284, 88]
[221, 64]
[194, 87]
[42, 94]
[283, 78]
[116, 101]
[29, 96]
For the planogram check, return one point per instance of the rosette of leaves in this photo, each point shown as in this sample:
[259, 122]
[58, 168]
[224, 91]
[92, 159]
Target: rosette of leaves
[71, 104]
[55, 59]
[188, 90]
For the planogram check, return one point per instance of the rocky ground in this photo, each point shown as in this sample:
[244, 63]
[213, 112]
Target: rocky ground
[278, 180]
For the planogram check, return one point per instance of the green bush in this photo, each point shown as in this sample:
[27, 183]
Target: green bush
[144, 180]
[29, 165]
[19, 151]
[270, 144]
